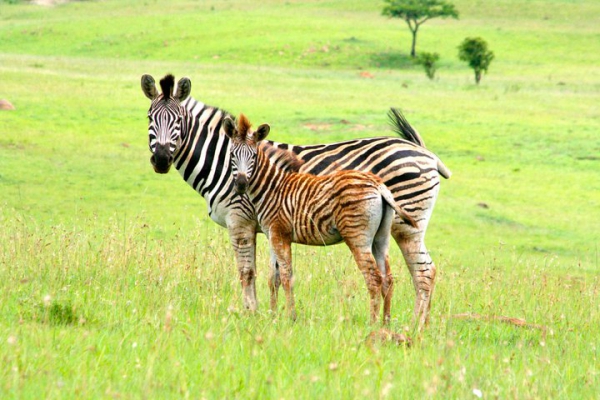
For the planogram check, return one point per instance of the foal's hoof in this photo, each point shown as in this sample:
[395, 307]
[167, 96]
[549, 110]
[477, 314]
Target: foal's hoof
[386, 336]
[293, 316]
[250, 305]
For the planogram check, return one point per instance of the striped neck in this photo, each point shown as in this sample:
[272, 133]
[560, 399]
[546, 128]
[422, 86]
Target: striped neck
[266, 176]
[203, 157]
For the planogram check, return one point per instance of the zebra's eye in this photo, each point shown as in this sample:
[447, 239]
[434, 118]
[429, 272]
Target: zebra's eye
[149, 118]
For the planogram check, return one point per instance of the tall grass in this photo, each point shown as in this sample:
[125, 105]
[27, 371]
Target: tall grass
[91, 312]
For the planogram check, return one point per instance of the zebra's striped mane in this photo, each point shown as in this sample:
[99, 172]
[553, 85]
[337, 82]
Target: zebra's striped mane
[166, 85]
[284, 159]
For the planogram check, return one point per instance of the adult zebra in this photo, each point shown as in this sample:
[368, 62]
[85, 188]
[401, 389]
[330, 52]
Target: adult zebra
[188, 133]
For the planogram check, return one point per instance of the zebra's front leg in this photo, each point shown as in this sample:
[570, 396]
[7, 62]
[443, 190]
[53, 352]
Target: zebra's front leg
[274, 281]
[281, 246]
[243, 240]
[422, 270]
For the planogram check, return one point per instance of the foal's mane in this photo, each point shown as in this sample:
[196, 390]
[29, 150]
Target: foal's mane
[243, 126]
[284, 159]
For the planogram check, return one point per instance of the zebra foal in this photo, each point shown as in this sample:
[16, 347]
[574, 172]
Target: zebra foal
[291, 207]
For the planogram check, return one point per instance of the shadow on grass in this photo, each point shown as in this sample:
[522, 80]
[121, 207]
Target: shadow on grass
[392, 60]
[58, 314]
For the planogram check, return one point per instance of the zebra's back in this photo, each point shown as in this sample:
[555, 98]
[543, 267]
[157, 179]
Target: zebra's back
[411, 172]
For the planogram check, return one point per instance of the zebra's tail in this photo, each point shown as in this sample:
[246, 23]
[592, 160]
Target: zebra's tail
[443, 170]
[405, 130]
[401, 126]
[389, 198]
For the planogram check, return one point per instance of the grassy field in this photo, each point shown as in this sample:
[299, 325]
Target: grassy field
[115, 283]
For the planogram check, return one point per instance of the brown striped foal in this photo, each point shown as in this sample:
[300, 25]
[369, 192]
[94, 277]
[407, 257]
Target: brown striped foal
[291, 207]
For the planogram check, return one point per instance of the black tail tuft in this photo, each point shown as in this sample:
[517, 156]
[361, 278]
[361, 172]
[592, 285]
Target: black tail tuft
[401, 126]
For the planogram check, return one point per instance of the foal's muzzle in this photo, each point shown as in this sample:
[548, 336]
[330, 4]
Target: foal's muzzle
[241, 184]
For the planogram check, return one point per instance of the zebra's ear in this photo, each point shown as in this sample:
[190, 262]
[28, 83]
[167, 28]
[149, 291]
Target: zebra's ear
[262, 132]
[184, 87]
[149, 86]
[229, 127]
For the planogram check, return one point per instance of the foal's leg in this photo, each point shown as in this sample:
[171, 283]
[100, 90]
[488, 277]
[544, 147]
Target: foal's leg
[281, 245]
[387, 292]
[367, 265]
[242, 235]
[274, 281]
[381, 244]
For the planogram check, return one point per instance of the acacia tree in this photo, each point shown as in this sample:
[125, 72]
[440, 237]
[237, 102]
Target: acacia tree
[476, 53]
[417, 12]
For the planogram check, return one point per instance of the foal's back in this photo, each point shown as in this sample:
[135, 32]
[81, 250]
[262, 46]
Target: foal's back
[324, 210]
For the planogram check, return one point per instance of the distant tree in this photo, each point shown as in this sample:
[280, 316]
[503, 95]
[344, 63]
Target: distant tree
[475, 52]
[428, 60]
[416, 12]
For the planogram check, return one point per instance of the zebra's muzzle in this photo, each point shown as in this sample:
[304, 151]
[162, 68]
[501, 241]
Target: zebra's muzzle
[162, 159]
[241, 184]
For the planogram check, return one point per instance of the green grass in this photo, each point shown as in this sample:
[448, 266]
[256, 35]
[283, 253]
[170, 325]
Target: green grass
[116, 283]
[155, 318]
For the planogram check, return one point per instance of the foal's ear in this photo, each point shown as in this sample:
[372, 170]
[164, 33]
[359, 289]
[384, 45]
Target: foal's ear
[149, 86]
[262, 132]
[229, 127]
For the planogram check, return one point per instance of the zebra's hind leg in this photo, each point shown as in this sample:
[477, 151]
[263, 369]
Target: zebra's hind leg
[243, 240]
[274, 281]
[368, 266]
[421, 268]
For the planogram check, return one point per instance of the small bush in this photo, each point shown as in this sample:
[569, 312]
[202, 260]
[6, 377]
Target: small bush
[475, 52]
[428, 60]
